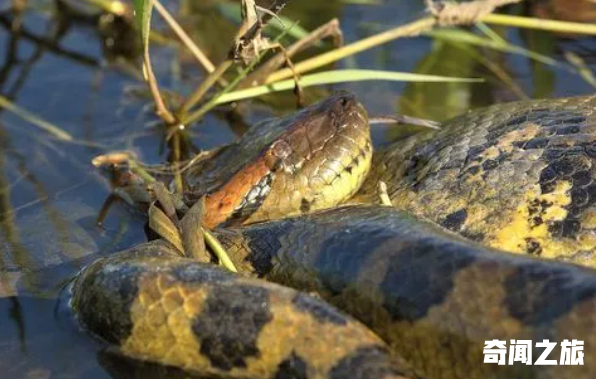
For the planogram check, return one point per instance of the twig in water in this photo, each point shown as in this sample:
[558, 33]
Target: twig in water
[161, 109]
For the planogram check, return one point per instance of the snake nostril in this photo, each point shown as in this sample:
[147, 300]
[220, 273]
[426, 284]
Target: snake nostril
[344, 102]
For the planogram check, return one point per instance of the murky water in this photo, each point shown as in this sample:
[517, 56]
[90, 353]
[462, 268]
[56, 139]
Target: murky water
[57, 67]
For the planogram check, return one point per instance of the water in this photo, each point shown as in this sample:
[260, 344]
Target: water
[50, 195]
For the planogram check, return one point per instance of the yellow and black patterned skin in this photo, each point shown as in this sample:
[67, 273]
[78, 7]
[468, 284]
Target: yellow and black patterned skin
[157, 306]
[515, 176]
[432, 295]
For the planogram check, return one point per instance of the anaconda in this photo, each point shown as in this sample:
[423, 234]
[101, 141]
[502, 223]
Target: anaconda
[516, 176]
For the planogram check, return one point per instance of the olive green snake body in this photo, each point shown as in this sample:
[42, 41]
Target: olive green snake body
[515, 176]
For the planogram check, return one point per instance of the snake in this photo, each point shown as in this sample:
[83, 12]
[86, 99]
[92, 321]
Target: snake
[491, 236]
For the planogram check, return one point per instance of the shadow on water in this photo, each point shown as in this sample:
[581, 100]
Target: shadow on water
[66, 68]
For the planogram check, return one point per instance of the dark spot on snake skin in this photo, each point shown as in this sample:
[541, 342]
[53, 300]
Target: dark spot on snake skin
[576, 151]
[553, 154]
[579, 197]
[474, 152]
[292, 367]
[533, 246]
[591, 189]
[519, 144]
[349, 169]
[548, 187]
[318, 309]
[199, 273]
[536, 208]
[575, 119]
[590, 150]
[567, 228]
[536, 143]
[305, 205]
[547, 175]
[365, 363]
[473, 236]
[417, 292]
[229, 326]
[573, 129]
[582, 178]
[414, 163]
[472, 170]
[562, 119]
[328, 260]
[106, 301]
[570, 166]
[544, 118]
[455, 220]
[574, 212]
[264, 244]
[538, 294]
[489, 164]
[517, 120]
[563, 166]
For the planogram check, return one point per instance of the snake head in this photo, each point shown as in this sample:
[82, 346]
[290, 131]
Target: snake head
[316, 159]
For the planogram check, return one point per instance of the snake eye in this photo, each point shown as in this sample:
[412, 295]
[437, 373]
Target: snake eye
[281, 149]
[277, 152]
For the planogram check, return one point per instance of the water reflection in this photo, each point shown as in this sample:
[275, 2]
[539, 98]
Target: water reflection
[28, 344]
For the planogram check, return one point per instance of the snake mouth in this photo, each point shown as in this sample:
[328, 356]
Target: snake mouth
[318, 159]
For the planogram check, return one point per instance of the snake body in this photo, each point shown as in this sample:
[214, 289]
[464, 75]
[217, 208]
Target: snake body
[515, 176]
[433, 296]
[159, 307]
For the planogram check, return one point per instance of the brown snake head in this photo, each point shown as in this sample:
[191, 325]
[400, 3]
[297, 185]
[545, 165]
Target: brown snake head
[314, 159]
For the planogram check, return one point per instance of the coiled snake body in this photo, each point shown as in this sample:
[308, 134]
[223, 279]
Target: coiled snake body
[516, 177]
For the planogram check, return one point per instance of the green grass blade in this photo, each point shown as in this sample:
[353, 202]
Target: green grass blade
[336, 76]
[219, 251]
[35, 120]
[489, 33]
[143, 16]
[539, 24]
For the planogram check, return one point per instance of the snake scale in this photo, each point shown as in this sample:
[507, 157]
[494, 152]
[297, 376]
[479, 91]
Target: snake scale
[425, 283]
